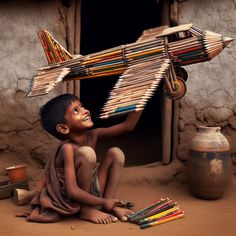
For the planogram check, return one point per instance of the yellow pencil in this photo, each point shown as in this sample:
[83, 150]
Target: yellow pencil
[158, 222]
[159, 215]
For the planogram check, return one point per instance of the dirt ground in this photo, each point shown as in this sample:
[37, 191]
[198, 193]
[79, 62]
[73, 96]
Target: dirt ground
[141, 185]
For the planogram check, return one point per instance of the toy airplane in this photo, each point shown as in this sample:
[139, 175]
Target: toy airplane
[156, 56]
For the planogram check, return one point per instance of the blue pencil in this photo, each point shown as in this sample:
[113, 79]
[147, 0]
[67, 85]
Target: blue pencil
[148, 208]
[142, 220]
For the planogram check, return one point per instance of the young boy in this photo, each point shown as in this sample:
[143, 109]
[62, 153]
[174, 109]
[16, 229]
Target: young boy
[72, 183]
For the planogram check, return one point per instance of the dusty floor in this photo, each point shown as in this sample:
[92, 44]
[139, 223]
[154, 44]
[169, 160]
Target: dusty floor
[203, 217]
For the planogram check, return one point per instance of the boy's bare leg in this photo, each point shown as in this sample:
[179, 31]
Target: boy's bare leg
[84, 163]
[109, 174]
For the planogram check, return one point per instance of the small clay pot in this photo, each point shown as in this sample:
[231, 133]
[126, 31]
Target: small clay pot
[17, 173]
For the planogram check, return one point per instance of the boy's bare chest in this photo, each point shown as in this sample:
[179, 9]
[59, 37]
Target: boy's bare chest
[91, 140]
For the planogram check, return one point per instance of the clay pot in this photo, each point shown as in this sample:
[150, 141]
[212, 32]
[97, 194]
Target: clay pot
[17, 173]
[209, 164]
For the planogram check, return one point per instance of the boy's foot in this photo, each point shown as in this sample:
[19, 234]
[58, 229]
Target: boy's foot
[122, 213]
[96, 216]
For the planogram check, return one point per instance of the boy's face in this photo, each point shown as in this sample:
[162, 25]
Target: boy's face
[77, 117]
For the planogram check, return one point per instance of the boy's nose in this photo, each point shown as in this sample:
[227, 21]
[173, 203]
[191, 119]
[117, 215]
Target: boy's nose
[85, 111]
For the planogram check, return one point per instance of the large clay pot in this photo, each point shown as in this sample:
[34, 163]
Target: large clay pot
[209, 164]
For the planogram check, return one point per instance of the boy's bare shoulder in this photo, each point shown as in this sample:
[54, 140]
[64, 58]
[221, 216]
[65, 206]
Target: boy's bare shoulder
[66, 147]
[64, 153]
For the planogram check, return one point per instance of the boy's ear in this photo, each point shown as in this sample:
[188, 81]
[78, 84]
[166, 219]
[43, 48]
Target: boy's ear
[62, 128]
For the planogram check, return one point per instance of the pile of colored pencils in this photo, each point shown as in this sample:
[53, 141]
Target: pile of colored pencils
[161, 211]
[142, 64]
[45, 81]
[115, 60]
[52, 49]
[135, 87]
[197, 46]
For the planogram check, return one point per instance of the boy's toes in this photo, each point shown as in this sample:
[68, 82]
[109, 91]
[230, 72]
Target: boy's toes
[122, 213]
[96, 216]
[124, 218]
[107, 220]
[113, 218]
[103, 221]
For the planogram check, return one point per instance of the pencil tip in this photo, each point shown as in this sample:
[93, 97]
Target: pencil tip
[227, 41]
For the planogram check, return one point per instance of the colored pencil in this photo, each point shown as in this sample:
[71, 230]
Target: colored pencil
[164, 220]
[148, 208]
[158, 215]
[163, 207]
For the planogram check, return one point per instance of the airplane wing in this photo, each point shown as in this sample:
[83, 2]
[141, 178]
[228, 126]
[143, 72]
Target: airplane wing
[45, 81]
[135, 87]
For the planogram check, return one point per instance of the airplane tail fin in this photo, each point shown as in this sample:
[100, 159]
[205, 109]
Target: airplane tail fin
[53, 50]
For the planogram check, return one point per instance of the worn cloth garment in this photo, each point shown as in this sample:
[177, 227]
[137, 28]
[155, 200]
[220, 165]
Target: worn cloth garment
[95, 187]
[52, 203]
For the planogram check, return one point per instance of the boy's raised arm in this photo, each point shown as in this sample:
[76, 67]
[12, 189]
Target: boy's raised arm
[124, 127]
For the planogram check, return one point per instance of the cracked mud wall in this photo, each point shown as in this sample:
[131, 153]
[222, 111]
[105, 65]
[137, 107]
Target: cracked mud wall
[210, 99]
[21, 136]
[211, 95]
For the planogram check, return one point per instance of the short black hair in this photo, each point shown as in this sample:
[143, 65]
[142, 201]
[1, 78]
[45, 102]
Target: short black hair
[53, 113]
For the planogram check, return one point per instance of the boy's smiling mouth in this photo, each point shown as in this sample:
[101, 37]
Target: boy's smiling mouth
[87, 118]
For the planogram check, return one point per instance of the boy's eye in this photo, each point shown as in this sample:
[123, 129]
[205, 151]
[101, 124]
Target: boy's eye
[75, 111]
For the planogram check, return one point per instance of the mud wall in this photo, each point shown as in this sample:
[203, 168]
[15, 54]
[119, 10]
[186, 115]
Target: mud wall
[21, 136]
[211, 95]
[210, 99]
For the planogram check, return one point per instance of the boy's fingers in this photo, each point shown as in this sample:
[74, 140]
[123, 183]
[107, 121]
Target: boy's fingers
[125, 204]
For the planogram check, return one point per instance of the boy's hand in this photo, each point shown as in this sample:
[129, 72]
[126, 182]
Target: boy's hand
[109, 204]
